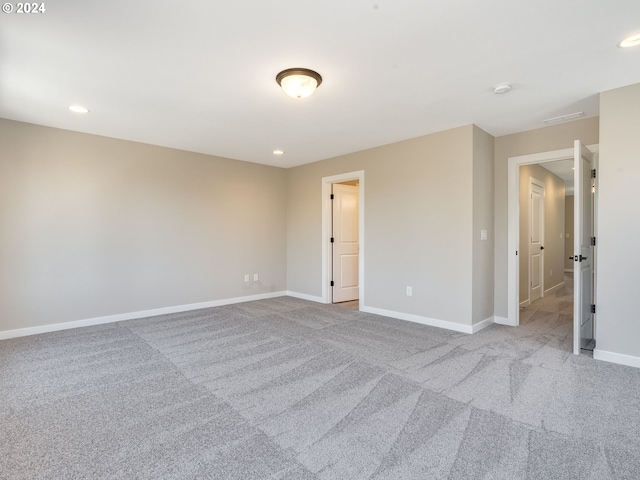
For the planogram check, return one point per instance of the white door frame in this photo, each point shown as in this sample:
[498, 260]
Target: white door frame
[513, 220]
[326, 232]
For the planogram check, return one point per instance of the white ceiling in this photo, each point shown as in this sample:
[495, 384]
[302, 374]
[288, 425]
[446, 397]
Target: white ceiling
[564, 170]
[200, 75]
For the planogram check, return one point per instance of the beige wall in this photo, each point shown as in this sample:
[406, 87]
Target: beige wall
[418, 224]
[568, 228]
[534, 141]
[92, 226]
[483, 250]
[618, 261]
[553, 241]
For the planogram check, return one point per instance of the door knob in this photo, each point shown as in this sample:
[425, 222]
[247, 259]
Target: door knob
[541, 247]
[571, 257]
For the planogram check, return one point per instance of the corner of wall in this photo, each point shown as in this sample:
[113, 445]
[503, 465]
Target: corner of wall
[483, 229]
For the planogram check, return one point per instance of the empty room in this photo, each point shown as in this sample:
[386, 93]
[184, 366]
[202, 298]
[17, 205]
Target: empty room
[319, 240]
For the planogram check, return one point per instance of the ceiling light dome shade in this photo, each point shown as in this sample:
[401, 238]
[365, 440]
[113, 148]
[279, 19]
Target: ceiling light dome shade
[298, 82]
[632, 41]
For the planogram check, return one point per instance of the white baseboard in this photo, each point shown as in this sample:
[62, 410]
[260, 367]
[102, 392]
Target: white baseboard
[525, 303]
[432, 322]
[553, 289]
[618, 358]
[476, 327]
[503, 321]
[54, 327]
[568, 270]
[304, 296]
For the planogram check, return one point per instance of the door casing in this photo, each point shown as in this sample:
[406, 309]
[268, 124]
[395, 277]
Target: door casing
[513, 222]
[326, 232]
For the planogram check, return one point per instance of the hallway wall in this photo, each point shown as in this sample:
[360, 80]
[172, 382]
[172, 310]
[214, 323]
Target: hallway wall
[553, 241]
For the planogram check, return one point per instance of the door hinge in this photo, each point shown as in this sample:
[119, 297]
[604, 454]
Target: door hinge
[593, 173]
[332, 239]
[593, 241]
[593, 308]
[332, 196]
[332, 283]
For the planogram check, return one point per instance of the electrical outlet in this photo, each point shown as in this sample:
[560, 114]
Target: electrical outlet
[255, 277]
[551, 273]
[246, 278]
[409, 291]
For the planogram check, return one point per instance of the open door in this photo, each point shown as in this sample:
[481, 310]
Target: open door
[346, 243]
[583, 248]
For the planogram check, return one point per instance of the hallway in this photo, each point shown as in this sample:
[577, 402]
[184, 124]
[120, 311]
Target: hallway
[552, 313]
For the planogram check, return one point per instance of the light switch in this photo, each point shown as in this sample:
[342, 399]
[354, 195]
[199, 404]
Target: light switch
[483, 234]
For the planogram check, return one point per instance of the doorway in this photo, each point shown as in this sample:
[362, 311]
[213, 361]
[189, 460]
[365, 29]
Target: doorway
[584, 291]
[353, 276]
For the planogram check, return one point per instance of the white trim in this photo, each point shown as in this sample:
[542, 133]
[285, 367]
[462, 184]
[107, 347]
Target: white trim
[525, 303]
[513, 220]
[326, 221]
[476, 327]
[596, 195]
[503, 321]
[568, 270]
[432, 322]
[120, 317]
[553, 289]
[618, 358]
[304, 296]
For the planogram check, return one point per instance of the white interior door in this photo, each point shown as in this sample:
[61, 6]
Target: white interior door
[583, 250]
[346, 243]
[536, 239]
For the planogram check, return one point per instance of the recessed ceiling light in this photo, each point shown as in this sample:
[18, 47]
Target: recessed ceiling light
[632, 41]
[298, 82]
[78, 109]
[502, 88]
[278, 152]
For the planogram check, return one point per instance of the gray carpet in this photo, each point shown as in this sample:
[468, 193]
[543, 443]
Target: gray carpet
[288, 389]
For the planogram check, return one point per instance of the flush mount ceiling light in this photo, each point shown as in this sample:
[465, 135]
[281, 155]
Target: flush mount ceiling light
[298, 82]
[632, 41]
[78, 109]
[278, 152]
[502, 88]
